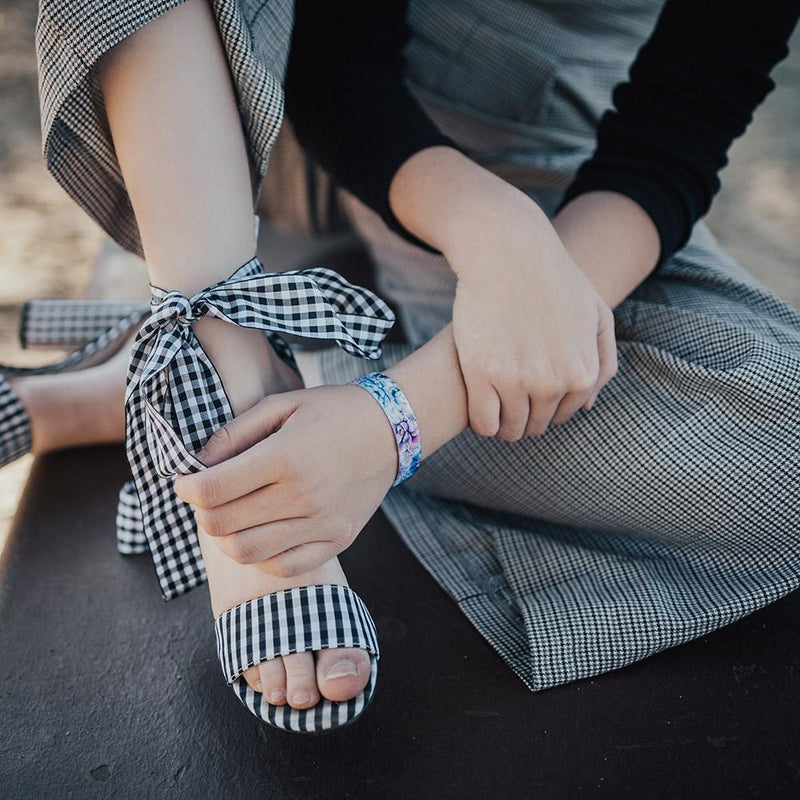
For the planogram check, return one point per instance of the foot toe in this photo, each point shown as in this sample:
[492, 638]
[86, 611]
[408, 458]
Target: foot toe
[301, 680]
[253, 678]
[273, 680]
[341, 673]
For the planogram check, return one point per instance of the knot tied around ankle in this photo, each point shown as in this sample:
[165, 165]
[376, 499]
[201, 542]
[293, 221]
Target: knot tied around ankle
[175, 308]
[175, 399]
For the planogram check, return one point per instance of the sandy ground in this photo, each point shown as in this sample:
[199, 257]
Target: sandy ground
[49, 247]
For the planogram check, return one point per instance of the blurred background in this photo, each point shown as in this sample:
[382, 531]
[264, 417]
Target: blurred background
[49, 247]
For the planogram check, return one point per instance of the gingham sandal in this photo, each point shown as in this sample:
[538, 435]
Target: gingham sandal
[15, 429]
[175, 401]
[298, 620]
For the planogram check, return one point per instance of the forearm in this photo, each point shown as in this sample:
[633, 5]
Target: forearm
[443, 198]
[447, 200]
[612, 240]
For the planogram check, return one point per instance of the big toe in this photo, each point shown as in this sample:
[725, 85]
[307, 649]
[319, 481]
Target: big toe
[342, 674]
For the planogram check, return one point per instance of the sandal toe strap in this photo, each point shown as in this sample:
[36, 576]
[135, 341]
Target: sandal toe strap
[293, 621]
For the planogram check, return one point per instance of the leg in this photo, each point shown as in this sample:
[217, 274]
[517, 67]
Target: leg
[177, 134]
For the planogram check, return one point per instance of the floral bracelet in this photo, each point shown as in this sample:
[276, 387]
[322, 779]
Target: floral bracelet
[398, 411]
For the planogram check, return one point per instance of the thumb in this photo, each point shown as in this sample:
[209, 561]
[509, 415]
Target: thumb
[249, 428]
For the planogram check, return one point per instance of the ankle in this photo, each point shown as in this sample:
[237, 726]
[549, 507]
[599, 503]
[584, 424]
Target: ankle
[247, 365]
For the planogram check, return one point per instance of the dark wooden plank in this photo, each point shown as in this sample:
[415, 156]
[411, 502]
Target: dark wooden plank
[109, 692]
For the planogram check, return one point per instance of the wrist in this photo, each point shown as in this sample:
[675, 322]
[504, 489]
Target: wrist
[443, 198]
[375, 433]
[401, 418]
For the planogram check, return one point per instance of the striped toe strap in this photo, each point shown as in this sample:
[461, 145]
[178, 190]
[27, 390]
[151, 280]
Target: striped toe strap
[296, 621]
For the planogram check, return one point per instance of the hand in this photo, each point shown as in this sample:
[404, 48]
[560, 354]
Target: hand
[535, 340]
[292, 481]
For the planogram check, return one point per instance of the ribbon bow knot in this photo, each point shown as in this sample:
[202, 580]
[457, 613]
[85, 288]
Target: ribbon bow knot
[177, 308]
[175, 399]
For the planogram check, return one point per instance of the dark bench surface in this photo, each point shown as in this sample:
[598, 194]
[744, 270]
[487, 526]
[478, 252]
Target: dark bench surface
[109, 692]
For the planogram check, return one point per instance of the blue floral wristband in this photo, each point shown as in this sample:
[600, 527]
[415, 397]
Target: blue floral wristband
[398, 411]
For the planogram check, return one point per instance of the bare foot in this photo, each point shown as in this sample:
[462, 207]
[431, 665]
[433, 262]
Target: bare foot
[78, 408]
[302, 678]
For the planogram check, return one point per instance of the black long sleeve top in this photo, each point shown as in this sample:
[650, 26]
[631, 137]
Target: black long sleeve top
[692, 90]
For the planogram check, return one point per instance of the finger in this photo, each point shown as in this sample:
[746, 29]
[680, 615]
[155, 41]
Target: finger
[267, 504]
[261, 465]
[264, 542]
[607, 351]
[580, 390]
[569, 406]
[301, 559]
[483, 405]
[542, 410]
[249, 428]
[515, 411]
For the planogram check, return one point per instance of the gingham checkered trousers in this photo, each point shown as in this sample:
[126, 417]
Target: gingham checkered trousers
[175, 399]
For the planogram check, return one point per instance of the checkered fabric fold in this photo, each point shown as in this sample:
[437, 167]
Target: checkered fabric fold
[131, 539]
[175, 399]
[15, 426]
[298, 620]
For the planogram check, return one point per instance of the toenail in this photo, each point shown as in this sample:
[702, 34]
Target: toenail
[275, 696]
[342, 669]
[301, 698]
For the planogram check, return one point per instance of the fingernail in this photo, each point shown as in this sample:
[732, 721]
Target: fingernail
[258, 686]
[276, 695]
[342, 669]
[301, 698]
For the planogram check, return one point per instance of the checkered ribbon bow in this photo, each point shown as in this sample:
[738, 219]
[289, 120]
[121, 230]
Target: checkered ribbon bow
[175, 399]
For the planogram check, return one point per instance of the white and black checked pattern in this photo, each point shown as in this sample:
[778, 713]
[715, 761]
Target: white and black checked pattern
[310, 618]
[66, 322]
[15, 426]
[131, 538]
[673, 506]
[70, 323]
[175, 399]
